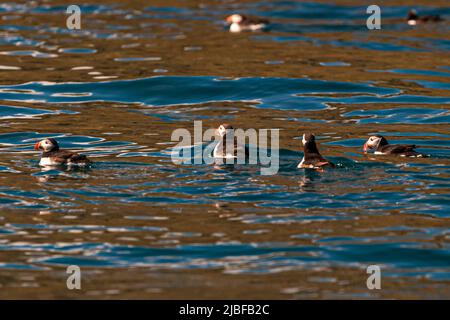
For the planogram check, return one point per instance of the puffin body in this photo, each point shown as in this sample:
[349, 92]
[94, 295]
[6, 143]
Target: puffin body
[228, 146]
[239, 22]
[312, 158]
[53, 156]
[382, 146]
[413, 18]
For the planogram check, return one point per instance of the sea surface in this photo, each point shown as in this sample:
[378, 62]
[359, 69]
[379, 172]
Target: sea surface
[141, 226]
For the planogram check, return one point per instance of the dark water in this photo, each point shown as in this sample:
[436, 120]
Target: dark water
[141, 226]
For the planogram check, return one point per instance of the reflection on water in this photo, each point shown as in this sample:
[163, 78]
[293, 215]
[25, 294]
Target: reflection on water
[116, 90]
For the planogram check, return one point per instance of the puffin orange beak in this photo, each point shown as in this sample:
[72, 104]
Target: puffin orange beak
[229, 19]
[365, 147]
[37, 145]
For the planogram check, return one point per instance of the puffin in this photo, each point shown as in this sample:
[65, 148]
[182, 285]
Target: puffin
[228, 145]
[413, 18]
[53, 156]
[239, 22]
[382, 146]
[312, 158]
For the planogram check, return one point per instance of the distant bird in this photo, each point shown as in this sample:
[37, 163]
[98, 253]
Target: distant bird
[239, 22]
[312, 158]
[53, 156]
[229, 146]
[382, 146]
[413, 18]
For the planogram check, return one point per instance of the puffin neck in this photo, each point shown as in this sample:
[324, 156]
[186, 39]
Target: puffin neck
[228, 136]
[412, 16]
[310, 147]
[50, 152]
[383, 142]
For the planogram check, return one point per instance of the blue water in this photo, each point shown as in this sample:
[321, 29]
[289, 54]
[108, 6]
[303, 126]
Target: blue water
[203, 185]
[280, 93]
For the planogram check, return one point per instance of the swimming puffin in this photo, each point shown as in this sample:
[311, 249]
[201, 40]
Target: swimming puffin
[413, 18]
[312, 158]
[53, 156]
[382, 146]
[228, 146]
[239, 22]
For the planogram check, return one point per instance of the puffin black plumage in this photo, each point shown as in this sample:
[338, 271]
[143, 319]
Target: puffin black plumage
[312, 158]
[382, 146]
[52, 155]
[413, 18]
[239, 22]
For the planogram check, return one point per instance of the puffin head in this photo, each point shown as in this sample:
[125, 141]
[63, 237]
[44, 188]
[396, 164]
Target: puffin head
[308, 138]
[225, 129]
[47, 145]
[235, 18]
[374, 142]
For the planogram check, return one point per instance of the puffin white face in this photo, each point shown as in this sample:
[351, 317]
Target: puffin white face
[46, 145]
[372, 143]
[308, 138]
[412, 22]
[304, 139]
[234, 18]
[225, 129]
